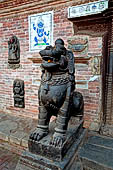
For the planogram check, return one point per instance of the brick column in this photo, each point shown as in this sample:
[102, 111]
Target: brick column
[109, 77]
[107, 128]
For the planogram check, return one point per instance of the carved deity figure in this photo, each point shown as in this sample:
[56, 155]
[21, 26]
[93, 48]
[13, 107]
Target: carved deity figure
[95, 65]
[14, 50]
[18, 90]
[56, 93]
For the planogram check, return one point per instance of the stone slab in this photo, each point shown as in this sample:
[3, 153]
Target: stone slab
[24, 141]
[43, 147]
[101, 141]
[32, 161]
[95, 155]
[17, 137]
[7, 126]
[4, 137]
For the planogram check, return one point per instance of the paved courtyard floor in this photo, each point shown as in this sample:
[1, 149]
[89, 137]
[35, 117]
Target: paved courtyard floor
[14, 134]
[16, 129]
[8, 159]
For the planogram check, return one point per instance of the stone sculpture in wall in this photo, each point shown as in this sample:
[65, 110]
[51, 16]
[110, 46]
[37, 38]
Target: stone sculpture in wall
[13, 52]
[95, 65]
[78, 44]
[57, 95]
[18, 90]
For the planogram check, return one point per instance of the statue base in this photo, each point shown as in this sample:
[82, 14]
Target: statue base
[13, 66]
[43, 148]
[46, 157]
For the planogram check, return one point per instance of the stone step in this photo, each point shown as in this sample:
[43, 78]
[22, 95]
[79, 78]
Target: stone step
[97, 153]
[102, 141]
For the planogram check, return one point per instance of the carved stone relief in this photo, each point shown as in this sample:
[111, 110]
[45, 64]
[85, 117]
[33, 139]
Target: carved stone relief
[77, 44]
[95, 65]
[18, 90]
[13, 52]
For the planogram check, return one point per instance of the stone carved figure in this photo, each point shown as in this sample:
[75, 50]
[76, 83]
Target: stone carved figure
[78, 44]
[95, 65]
[14, 50]
[56, 93]
[18, 90]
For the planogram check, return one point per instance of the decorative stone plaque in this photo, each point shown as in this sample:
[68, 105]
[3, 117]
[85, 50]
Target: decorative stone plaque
[13, 53]
[87, 9]
[78, 44]
[40, 31]
[95, 65]
[18, 90]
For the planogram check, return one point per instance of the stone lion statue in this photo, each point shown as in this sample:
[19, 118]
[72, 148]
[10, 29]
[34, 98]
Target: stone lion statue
[56, 93]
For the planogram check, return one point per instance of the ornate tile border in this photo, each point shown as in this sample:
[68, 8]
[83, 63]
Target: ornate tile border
[87, 9]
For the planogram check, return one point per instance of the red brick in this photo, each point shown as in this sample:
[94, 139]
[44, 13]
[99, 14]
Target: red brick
[18, 25]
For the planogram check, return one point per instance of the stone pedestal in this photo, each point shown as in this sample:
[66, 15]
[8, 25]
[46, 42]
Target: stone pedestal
[43, 148]
[43, 156]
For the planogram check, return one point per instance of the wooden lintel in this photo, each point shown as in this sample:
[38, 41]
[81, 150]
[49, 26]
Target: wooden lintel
[77, 60]
[35, 60]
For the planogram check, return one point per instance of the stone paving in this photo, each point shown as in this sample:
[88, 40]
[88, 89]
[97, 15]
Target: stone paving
[8, 159]
[16, 129]
[14, 133]
[97, 153]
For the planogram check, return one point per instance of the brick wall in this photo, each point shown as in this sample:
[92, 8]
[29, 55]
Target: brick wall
[89, 83]
[16, 23]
